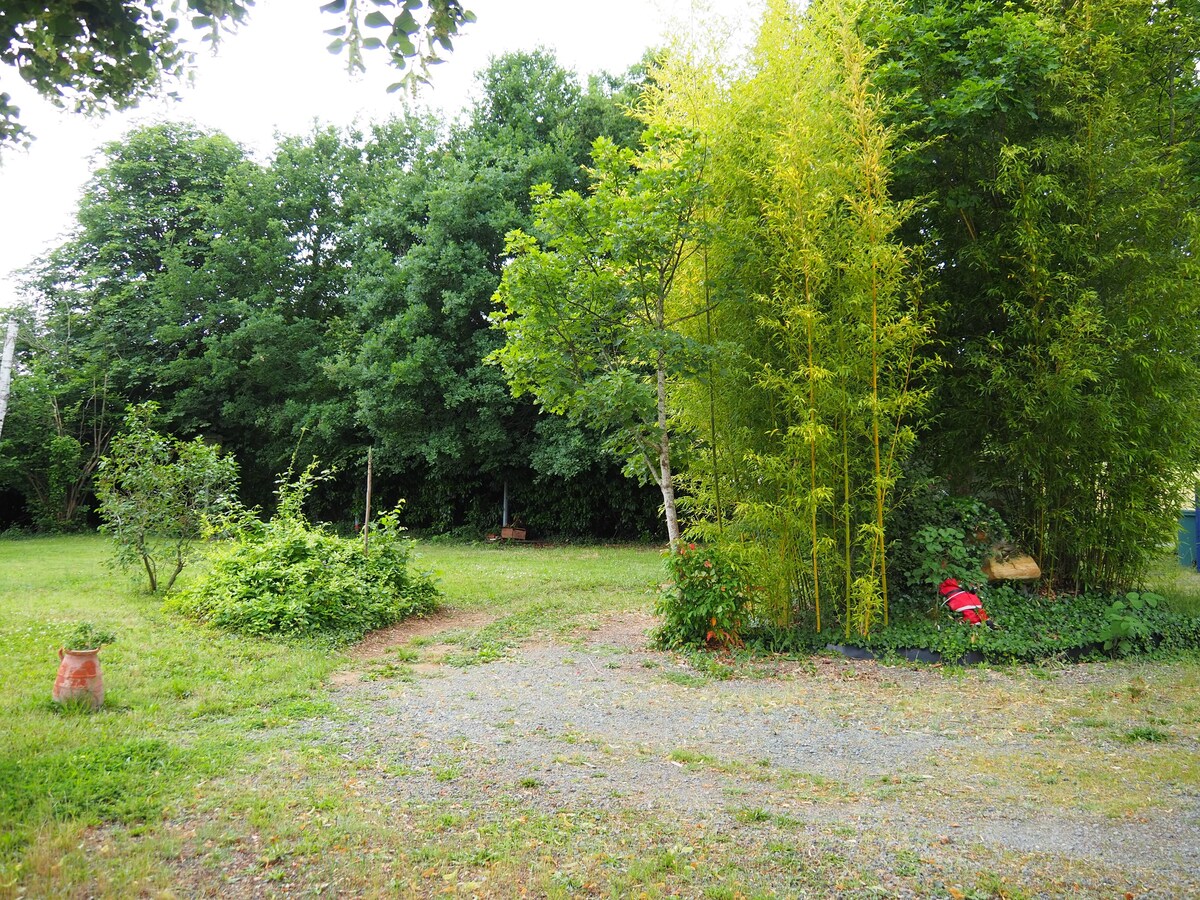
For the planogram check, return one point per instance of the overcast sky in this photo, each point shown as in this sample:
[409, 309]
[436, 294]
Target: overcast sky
[275, 76]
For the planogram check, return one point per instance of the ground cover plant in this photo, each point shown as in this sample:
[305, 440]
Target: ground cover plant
[1034, 627]
[533, 744]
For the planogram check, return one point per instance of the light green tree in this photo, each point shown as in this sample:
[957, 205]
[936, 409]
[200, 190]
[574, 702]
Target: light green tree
[592, 331]
[807, 423]
[155, 492]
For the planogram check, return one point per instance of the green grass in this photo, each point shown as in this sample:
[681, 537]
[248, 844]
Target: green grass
[192, 726]
[542, 588]
[202, 776]
[1178, 584]
[183, 704]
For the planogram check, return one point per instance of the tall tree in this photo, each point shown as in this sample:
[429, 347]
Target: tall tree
[814, 310]
[588, 318]
[430, 255]
[143, 216]
[1058, 140]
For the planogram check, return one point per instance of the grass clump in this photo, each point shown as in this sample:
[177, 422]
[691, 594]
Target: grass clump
[1146, 733]
[290, 578]
[86, 636]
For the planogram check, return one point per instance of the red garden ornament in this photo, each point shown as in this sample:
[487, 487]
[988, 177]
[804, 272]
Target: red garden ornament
[960, 600]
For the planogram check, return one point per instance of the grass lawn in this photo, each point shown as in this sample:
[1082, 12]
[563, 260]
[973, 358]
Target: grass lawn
[192, 729]
[214, 767]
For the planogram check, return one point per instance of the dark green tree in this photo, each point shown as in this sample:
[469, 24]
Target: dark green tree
[1057, 143]
[62, 413]
[431, 251]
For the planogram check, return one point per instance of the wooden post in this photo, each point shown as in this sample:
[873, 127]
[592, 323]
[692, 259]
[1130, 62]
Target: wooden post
[367, 513]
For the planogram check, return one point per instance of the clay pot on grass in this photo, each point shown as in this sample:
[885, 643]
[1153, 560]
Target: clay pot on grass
[79, 679]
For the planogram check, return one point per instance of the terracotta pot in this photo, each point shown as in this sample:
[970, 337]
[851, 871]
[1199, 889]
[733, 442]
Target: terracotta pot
[79, 677]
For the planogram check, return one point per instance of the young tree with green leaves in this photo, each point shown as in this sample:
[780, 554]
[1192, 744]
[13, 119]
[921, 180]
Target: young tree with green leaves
[591, 327]
[155, 492]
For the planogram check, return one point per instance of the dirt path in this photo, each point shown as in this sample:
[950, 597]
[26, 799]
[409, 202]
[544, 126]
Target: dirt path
[962, 772]
[379, 643]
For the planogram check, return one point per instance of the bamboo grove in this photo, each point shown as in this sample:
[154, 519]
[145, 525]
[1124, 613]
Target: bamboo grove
[931, 236]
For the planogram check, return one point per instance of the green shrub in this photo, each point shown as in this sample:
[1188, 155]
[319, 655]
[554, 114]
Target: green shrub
[706, 600]
[939, 535]
[291, 578]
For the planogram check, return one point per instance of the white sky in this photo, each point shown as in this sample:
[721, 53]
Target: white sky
[275, 76]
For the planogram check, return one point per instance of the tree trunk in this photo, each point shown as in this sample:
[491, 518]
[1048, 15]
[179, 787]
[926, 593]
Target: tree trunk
[150, 573]
[666, 481]
[6, 364]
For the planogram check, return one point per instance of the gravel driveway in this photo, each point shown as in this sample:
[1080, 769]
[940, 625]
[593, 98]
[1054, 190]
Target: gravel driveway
[878, 763]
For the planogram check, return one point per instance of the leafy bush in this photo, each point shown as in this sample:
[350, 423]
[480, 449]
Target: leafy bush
[291, 578]
[705, 602]
[1124, 626]
[940, 535]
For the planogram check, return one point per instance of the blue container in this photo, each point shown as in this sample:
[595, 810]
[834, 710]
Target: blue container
[1187, 538]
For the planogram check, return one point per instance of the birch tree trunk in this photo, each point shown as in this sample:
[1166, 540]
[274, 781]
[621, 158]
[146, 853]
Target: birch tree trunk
[666, 481]
[6, 363]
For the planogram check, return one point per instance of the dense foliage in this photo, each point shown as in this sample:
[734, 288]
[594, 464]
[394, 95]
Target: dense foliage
[1058, 145]
[330, 300]
[906, 282]
[706, 603]
[289, 578]
[1035, 628]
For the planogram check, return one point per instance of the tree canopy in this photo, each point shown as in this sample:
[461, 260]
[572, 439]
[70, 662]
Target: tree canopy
[103, 55]
[334, 298]
[905, 274]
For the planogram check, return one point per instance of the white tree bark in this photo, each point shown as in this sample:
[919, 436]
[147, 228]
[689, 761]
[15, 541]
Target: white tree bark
[666, 481]
[6, 364]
